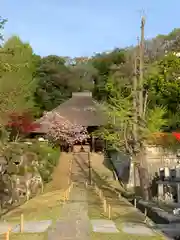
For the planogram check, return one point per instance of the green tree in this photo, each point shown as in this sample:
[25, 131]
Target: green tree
[163, 82]
[2, 23]
[103, 63]
[58, 77]
[131, 122]
[17, 84]
[53, 78]
[84, 75]
[119, 131]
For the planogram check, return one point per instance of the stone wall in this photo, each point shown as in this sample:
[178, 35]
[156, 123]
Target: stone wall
[158, 157]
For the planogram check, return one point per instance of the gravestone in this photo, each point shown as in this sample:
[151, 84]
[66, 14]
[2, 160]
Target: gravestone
[160, 191]
[178, 192]
[138, 229]
[104, 226]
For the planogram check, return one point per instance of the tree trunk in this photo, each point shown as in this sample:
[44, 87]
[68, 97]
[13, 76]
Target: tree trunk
[143, 175]
[144, 182]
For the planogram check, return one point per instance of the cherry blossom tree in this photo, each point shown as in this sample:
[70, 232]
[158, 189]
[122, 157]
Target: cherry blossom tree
[61, 129]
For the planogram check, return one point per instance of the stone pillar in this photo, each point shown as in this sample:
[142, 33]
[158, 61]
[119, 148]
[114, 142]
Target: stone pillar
[178, 192]
[160, 191]
[131, 176]
[133, 182]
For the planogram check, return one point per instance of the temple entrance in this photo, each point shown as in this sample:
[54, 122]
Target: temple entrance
[81, 148]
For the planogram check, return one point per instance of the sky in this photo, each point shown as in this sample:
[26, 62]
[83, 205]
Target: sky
[83, 27]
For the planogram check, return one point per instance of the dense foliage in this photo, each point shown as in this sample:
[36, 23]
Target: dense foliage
[33, 84]
[42, 83]
[58, 77]
[48, 158]
[33, 150]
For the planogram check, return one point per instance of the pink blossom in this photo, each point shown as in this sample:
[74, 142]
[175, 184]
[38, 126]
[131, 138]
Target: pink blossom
[61, 129]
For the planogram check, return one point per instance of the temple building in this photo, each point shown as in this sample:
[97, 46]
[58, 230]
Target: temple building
[81, 109]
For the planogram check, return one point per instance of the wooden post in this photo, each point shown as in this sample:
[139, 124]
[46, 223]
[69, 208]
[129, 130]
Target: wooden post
[92, 144]
[135, 202]
[109, 211]
[68, 148]
[22, 223]
[145, 214]
[105, 205]
[90, 170]
[7, 234]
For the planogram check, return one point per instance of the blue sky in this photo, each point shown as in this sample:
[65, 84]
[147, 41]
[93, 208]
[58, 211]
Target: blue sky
[83, 27]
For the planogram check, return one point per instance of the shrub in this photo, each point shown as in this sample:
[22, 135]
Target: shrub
[48, 158]
[46, 155]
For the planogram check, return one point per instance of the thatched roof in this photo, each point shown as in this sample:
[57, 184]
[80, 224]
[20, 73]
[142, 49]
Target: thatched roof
[81, 109]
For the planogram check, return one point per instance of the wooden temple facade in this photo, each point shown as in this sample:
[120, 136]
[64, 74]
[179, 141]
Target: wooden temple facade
[81, 109]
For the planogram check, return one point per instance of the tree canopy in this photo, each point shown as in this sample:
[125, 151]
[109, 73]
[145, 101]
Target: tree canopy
[29, 81]
[140, 107]
[17, 82]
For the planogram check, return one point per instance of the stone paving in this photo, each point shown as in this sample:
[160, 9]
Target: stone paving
[74, 222]
[29, 227]
[104, 226]
[34, 227]
[138, 229]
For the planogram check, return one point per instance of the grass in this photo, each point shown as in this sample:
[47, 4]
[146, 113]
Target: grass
[122, 210]
[42, 207]
[121, 213]
[28, 236]
[46, 206]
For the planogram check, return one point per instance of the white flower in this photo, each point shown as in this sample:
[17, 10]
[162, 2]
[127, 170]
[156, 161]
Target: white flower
[29, 143]
[41, 139]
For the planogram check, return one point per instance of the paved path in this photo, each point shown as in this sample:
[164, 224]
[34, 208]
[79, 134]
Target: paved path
[74, 221]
